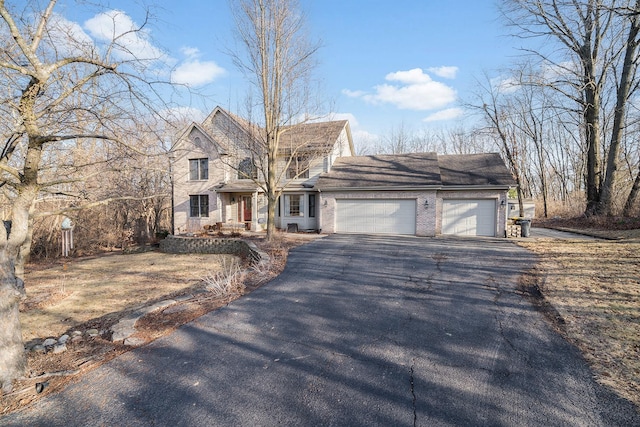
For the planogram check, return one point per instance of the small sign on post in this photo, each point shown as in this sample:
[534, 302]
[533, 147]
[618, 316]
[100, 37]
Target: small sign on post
[67, 236]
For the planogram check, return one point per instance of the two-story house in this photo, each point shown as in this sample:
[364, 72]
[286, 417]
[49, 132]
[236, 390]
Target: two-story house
[326, 188]
[214, 173]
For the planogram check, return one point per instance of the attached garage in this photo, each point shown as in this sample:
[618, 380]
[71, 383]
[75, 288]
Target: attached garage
[420, 194]
[376, 216]
[469, 217]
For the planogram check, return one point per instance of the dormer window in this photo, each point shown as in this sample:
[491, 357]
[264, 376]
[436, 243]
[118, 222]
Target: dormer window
[198, 169]
[247, 169]
[298, 168]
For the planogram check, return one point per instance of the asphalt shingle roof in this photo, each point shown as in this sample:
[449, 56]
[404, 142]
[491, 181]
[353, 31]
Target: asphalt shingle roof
[318, 137]
[416, 170]
[382, 171]
[474, 169]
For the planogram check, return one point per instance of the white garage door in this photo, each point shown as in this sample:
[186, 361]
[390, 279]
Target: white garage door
[379, 216]
[469, 217]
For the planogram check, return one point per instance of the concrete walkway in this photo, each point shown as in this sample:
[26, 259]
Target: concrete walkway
[539, 232]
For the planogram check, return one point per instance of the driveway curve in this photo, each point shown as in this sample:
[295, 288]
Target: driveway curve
[358, 330]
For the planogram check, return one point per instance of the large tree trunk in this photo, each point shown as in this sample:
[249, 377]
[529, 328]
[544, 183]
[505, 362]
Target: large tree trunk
[632, 200]
[15, 239]
[12, 358]
[592, 129]
[605, 206]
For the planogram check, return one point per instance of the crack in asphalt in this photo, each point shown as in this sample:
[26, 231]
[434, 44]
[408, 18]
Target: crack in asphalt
[413, 394]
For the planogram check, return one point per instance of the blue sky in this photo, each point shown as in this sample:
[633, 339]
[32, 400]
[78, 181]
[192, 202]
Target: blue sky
[382, 64]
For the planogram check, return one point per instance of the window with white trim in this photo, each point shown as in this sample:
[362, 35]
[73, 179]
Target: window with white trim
[312, 205]
[198, 169]
[199, 205]
[293, 205]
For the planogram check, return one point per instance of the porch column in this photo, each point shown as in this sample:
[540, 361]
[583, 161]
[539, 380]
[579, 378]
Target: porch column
[254, 212]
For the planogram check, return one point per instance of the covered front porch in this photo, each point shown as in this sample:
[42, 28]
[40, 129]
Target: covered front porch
[243, 207]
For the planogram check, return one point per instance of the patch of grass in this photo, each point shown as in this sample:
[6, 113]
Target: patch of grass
[75, 291]
[614, 228]
[595, 288]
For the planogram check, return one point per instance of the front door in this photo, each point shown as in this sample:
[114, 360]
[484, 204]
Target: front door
[244, 212]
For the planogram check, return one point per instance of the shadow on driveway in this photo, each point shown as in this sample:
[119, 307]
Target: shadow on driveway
[358, 330]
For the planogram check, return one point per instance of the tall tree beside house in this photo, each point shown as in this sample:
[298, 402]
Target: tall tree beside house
[277, 57]
[591, 50]
[61, 90]
[497, 115]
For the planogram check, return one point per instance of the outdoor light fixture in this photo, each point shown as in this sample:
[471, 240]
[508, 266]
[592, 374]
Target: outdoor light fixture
[502, 203]
[426, 203]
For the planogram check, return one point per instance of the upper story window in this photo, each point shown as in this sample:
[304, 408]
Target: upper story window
[247, 169]
[298, 168]
[198, 169]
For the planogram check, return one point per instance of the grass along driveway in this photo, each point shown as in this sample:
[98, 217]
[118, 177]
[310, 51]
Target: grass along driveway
[68, 294]
[595, 287]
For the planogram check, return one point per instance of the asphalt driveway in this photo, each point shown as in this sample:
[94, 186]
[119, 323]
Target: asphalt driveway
[358, 330]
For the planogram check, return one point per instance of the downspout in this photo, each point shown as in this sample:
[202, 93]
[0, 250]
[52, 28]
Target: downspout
[319, 213]
[173, 214]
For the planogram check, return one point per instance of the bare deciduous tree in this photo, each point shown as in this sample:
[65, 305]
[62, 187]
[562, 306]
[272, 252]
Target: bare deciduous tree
[591, 52]
[278, 59]
[61, 90]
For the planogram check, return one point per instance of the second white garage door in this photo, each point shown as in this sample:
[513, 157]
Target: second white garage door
[379, 216]
[469, 217]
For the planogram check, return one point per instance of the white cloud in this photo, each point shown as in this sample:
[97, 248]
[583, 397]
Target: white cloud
[444, 72]
[354, 93]
[131, 42]
[505, 85]
[190, 52]
[194, 72]
[446, 114]
[413, 90]
[353, 122]
[414, 76]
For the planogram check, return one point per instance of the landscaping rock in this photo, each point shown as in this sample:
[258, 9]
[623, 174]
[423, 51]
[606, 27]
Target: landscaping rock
[38, 348]
[77, 339]
[76, 333]
[59, 348]
[92, 332]
[134, 342]
[123, 329]
[63, 339]
[50, 342]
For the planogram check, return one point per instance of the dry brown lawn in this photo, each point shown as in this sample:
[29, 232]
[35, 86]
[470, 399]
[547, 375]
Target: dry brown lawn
[74, 292]
[595, 288]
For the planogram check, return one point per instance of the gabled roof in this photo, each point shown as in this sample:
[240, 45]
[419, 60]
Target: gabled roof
[187, 132]
[419, 170]
[405, 170]
[317, 137]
